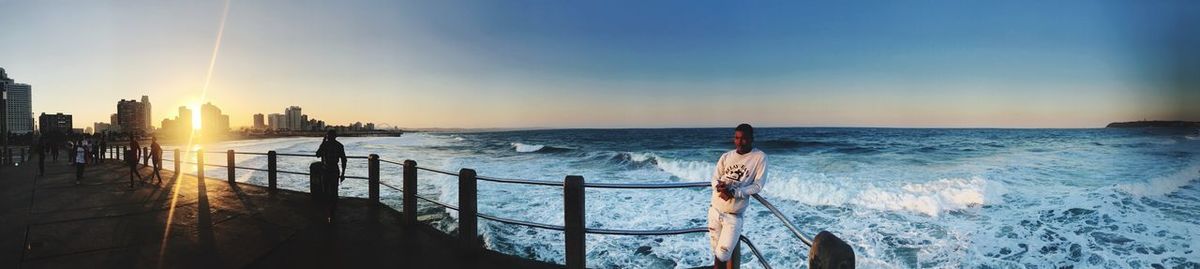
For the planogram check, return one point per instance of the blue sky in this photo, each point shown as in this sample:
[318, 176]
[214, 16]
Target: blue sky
[619, 63]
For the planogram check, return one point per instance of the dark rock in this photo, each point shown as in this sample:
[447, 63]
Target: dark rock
[830, 252]
[643, 250]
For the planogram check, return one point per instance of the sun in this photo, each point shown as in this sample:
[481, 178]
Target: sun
[195, 116]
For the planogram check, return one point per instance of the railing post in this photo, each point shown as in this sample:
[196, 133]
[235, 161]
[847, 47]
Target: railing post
[178, 162]
[467, 208]
[271, 183]
[373, 178]
[199, 164]
[229, 164]
[574, 221]
[410, 192]
[316, 181]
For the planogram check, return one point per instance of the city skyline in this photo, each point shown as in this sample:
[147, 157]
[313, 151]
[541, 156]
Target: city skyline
[613, 65]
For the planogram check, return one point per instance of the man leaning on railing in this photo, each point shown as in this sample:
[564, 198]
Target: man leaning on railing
[740, 174]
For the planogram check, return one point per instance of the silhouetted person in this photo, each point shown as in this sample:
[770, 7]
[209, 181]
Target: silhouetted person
[156, 154]
[54, 145]
[79, 159]
[330, 152]
[103, 147]
[131, 159]
[95, 151]
[41, 152]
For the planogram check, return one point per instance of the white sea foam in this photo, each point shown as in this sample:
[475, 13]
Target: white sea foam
[527, 148]
[684, 169]
[895, 215]
[1163, 185]
[930, 198]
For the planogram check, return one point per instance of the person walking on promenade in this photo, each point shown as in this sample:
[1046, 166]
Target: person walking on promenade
[95, 150]
[103, 147]
[330, 152]
[41, 152]
[156, 155]
[131, 159]
[54, 144]
[740, 173]
[79, 158]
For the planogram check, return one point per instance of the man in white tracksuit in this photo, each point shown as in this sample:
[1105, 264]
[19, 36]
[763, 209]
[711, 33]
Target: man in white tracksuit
[740, 173]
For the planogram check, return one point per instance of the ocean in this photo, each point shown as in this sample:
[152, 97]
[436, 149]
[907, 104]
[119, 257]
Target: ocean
[903, 198]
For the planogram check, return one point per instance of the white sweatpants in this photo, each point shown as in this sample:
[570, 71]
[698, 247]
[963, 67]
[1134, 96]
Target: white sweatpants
[724, 230]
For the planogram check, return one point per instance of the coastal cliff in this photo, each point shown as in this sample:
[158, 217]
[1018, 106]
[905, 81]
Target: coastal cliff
[1154, 123]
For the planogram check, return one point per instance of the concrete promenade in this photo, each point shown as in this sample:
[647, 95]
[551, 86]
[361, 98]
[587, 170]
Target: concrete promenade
[50, 222]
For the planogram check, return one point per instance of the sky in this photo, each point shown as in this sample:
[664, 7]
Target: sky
[615, 64]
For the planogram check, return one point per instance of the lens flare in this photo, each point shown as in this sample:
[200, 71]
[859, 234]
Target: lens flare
[191, 138]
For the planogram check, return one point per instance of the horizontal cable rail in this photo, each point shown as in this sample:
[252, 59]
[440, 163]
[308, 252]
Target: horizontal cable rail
[521, 181]
[646, 232]
[265, 154]
[470, 176]
[437, 203]
[437, 171]
[390, 186]
[775, 211]
[252, 169]
[762, 261]
[391, 162]
[667, 185]
[291, 172]
[522, 223]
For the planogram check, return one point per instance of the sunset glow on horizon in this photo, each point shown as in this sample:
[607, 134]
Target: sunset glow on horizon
[613, 65]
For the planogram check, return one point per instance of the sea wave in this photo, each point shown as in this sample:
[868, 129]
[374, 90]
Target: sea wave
[686, 170]
[930, 198]
[1163, 185]
[527, 148]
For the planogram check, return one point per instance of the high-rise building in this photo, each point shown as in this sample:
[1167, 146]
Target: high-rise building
[292, 120]
[146, 113]
[304, 123]
[131, 116]
[49, 123]
[19, 106]
[275, 121]
[259, 122]
[101, 127]
[211, 119]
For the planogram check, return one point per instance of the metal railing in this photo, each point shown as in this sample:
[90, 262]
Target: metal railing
[574, 215]
[573, 198]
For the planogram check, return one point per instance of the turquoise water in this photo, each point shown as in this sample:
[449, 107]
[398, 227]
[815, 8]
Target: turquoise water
[903, 198]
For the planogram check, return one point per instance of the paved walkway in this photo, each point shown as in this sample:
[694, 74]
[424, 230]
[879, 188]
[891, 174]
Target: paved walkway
[50, 222]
